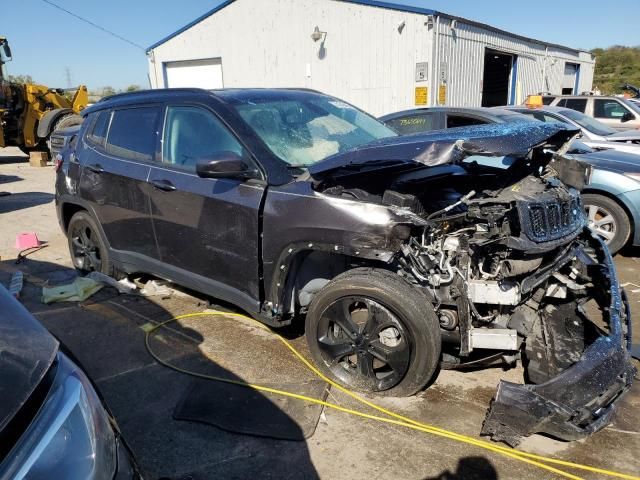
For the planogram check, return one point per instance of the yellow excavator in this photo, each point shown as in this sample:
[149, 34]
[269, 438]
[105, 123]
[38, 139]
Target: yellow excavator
[29, 113]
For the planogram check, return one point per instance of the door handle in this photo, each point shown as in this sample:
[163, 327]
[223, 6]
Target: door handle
[164, 185]
[96, 168]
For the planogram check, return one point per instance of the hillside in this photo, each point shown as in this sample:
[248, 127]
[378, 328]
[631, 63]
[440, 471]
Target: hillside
[614, 66]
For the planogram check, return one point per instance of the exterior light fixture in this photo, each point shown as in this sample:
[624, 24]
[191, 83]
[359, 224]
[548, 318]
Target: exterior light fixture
[317, 34]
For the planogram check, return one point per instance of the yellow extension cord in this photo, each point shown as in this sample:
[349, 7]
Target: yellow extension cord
[397, 419]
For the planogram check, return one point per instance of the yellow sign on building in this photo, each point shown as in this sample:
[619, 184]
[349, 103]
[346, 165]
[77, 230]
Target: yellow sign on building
[442, 95]
[421, 95]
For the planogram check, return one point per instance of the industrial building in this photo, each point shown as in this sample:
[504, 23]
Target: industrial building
[380, 56]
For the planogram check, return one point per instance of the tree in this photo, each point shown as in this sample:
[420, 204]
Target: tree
[20, 79]
[133, 88]
[615, 66]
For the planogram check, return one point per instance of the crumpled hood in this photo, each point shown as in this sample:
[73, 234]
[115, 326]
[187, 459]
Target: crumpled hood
[448, 146]
[624, 136]
[27, 350]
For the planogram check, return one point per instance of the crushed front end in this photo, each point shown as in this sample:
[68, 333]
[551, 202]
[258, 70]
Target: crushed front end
[503, 252]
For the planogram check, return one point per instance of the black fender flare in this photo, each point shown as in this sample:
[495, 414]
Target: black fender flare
[277, 284]
[49, 119]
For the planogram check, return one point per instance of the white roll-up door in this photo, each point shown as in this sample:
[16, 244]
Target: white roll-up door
[205, 73]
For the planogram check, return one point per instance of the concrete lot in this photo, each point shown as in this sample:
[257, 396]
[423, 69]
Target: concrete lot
[105, 334]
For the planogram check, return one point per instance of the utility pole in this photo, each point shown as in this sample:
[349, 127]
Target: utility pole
[67, 72]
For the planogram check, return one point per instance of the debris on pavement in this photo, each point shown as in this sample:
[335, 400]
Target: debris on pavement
[77, 291]
[16, 283]
[154, 288]
[27, 240]
[122, 286]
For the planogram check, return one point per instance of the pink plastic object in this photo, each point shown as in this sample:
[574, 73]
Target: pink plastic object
[27, 240]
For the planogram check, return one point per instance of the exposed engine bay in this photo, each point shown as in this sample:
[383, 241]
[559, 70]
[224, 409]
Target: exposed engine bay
[500, 247]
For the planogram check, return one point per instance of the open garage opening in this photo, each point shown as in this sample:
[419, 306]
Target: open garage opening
[496, 79]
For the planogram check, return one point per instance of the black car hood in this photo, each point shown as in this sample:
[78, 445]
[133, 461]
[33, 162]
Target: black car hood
[27, 350]
[447, 146]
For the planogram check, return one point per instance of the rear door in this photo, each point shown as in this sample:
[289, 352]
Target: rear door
[207, 229]
[116, 157]
[612, 112]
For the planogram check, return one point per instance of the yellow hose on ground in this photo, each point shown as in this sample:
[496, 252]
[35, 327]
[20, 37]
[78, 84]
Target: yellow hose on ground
[397, 419]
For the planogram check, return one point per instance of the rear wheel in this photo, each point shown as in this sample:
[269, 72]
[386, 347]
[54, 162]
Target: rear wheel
[608, 220]
[372, 331]
[88, 249]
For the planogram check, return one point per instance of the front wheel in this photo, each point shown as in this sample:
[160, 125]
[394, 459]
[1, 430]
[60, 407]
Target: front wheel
[608, 220]
[372, 331]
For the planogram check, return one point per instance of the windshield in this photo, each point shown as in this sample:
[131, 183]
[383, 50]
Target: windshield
[591, 124]
[303, 131]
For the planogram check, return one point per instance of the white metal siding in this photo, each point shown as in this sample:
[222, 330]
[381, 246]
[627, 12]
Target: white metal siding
[367, 60]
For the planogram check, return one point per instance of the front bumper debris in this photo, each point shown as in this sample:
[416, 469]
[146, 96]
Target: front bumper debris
[582, 399]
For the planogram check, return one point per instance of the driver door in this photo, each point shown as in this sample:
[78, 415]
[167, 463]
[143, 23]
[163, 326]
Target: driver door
[206, 229]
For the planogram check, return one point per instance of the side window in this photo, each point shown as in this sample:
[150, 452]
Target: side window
[99, 127]
[423, 122]
[454, 121]
[547, 100]
[579, 104]
[611, 109]
[133, 133]
[192, 134]
[562, 102]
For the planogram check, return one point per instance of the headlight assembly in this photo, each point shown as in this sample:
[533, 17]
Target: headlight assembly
[70, 438]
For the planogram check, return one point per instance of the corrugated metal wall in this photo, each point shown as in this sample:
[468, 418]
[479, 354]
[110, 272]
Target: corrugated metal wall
[366, 58]
[538, 68]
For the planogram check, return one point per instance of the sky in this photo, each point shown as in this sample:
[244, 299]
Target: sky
[48, 43]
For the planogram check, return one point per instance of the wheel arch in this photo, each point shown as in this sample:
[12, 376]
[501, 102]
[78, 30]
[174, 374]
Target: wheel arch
[49, 119]
[303, 269]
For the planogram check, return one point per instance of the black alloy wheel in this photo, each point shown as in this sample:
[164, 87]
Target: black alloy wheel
[370, 330]
[364, 344]
[85, 247]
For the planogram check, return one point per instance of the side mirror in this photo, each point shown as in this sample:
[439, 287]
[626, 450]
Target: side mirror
[7, 50]
[224, 165]
[627, 117]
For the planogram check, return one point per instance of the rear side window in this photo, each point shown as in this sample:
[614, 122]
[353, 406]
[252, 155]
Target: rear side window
[133, 133]
[412, 124]
[193, 134]
[454, 121]
[578, 104]
[99, 128]
[608, 109]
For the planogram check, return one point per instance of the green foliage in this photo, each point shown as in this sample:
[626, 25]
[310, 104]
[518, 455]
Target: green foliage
[615, 66]
[20, 79]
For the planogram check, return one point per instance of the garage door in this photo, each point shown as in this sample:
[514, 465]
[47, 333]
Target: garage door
[205, 73]
[569, 79]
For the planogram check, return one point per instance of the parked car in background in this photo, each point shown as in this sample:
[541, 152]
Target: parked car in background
[52, 422]
[292, 203]
[594, 133]
[611, 200]
[615, 112]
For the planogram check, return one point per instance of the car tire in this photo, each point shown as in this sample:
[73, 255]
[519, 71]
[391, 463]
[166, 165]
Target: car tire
[87, 247]
[372, 331]
[608, 220]
[70, 120]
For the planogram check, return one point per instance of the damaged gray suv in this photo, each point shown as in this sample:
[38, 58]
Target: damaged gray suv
[402, 254]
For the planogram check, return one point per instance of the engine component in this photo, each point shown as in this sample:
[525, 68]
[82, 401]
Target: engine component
[493, 338]
[493, 292]
[513, 267]
[448, 318]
